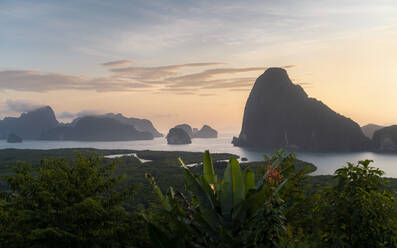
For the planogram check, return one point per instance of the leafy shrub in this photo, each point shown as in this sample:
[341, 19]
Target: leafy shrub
[359, 211]
[64, 204]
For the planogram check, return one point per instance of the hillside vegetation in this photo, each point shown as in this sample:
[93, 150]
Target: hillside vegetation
[77, 198]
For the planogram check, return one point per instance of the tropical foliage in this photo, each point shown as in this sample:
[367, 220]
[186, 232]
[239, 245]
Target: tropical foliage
[234, 211]
[84, 202]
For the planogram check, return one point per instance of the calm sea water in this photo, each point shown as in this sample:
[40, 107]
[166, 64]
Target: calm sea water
[326, 163]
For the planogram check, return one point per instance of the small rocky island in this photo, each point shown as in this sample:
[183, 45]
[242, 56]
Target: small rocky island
[13, 138]
[178, 136]
[206, 132]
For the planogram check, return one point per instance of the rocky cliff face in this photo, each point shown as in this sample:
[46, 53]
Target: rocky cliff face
[29, 125]
[187, 128]
[178, 136]
[385, 139]
[92, 128]
[279, 114]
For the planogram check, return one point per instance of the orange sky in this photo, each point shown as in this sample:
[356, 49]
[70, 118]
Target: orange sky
[345, 56]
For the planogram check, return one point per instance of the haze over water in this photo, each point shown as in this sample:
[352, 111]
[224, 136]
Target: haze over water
[326, 163]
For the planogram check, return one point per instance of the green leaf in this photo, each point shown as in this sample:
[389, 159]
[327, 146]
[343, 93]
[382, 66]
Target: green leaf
[232, 188]
[209, 173]
[226, 195]
[255, 201]
[249, 178]
[157, 237]
[238, 182]
[200, 188]
[182, 163]
[158, 192]
[280, 186]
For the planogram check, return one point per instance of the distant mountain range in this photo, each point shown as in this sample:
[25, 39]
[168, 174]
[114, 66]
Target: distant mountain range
[42, 124]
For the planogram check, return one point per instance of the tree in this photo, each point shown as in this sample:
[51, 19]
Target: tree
[64, 204]
[359, 211]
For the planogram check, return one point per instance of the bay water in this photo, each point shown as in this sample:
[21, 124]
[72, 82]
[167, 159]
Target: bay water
[326, 163]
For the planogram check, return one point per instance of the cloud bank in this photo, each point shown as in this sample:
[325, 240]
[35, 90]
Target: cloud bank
[20, 106]
[189, 78]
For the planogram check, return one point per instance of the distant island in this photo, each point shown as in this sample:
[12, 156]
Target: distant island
[178, 136]
[41, 124]
[141, 125]
[94, 128]
[206, 132]
[183, 133]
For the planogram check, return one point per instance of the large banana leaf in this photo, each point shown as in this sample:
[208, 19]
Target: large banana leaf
[249, 178]
[232, 187]
[209, 173]
[238, 182]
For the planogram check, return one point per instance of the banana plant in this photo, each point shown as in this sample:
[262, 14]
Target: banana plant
[222, 210]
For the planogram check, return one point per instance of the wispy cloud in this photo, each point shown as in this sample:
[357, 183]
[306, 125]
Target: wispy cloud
[208, 74]
[117, 63]
[158, 72]
[207, 94]
[246, 89]
[69, 115]
[34, 81]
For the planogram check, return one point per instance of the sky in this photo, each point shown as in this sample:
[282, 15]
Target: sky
[195, 61]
